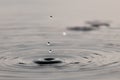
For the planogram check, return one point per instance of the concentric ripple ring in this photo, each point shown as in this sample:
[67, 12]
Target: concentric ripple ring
[83, 61]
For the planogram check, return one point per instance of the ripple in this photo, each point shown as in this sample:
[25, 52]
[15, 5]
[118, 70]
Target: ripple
[72, 61]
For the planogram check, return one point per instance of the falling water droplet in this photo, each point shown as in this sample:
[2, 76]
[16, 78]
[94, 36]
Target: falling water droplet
[48, 43]
[64, 33]
[51, 51]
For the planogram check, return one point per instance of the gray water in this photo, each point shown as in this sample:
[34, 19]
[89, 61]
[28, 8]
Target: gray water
[26, 27]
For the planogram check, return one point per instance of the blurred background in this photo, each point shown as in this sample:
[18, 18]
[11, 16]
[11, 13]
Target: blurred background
[64, 12]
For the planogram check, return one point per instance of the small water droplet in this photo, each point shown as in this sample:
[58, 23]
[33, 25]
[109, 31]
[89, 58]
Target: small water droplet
[51, 51]
[48, 43]
[64, 33]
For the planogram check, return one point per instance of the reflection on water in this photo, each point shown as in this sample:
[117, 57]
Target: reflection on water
[45, 40]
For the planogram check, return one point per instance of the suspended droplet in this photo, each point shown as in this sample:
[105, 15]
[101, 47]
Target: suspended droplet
[64, 33]
[48, 43]
[51, 51]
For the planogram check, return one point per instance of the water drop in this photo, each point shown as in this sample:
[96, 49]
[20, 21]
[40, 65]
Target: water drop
[51, 51]
[64, 33]
[48, 43]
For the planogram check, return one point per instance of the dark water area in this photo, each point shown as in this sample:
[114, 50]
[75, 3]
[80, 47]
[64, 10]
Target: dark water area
[59, 40]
